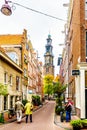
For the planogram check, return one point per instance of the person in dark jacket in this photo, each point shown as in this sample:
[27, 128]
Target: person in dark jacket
[68, 108]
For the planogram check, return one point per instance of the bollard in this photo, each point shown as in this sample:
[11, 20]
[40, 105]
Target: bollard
[61, 116]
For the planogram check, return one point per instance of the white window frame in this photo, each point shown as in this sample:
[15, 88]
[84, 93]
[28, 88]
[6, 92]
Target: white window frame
[5, 78]
[85, 9]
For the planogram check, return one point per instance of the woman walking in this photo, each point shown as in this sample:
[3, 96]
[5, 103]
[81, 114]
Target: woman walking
[28, 111]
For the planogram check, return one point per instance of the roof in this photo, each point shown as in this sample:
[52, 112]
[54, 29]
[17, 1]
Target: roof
[10, 39]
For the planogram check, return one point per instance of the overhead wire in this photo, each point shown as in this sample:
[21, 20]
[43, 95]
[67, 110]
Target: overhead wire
[36, 11]
[39, 12]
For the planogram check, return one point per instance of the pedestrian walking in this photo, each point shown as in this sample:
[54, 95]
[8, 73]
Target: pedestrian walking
[28, 111]
[19, 108]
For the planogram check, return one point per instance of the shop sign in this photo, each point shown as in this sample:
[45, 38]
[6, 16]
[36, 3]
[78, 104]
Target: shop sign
[75, 72]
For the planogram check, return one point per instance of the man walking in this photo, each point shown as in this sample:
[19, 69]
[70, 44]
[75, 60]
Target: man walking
[19, 107]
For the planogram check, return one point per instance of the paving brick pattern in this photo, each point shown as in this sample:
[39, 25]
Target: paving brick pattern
[43, 119]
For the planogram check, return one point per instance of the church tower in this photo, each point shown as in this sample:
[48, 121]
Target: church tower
[48, 67]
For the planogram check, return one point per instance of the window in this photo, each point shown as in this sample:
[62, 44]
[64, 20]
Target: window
[5, 78]
[27, 46]
[13, 56]
[86, 9]
[17, 82]
[5, 102]
[86, 46]
[11, 102]
[25, 72]
[10, 80]
[25, 59]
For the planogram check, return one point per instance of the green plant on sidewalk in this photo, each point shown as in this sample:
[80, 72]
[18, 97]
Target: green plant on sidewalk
[1, 118]
[84, 123]
[76, 124]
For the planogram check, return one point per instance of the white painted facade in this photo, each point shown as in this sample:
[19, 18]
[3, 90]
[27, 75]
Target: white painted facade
[80, 90]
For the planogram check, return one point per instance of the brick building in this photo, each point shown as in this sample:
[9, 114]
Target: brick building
[20, 52]
[75, 56]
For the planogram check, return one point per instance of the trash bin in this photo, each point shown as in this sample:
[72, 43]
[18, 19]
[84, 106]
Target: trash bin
[61, 116]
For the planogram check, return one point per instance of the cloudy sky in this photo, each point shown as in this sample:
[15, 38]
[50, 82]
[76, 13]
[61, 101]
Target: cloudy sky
[38, 25]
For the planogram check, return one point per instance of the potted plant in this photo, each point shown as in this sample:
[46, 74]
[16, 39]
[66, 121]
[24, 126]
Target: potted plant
[84, 123]
[76, 124]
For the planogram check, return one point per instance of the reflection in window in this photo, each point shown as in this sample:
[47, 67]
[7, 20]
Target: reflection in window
[27, 46]
[13, 56]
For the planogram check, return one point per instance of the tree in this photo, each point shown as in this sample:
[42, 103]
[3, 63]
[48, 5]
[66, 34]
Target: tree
[3, 89]
[48, 84]
[59, 89]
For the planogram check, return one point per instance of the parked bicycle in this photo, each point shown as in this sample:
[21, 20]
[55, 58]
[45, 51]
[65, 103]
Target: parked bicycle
[11, 113]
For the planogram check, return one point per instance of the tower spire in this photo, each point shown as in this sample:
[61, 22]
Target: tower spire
[48, 57]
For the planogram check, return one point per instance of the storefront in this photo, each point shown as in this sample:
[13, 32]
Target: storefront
[81, 91]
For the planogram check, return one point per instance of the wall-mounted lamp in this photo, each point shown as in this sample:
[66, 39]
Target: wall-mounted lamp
[6, 9]
[66, 4]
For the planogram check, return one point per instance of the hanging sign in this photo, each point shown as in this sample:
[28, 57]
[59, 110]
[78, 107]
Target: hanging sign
[75, 72]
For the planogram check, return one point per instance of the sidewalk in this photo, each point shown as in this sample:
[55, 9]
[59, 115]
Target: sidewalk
[64, 124]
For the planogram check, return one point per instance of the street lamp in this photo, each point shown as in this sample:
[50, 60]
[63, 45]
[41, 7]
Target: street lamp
[6, 9]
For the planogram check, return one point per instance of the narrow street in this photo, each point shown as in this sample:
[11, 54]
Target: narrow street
[43, 119]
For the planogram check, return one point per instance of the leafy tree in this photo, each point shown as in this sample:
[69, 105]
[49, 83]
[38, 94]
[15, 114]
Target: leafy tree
[48, 84]
[58, 88]
[3, 89]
